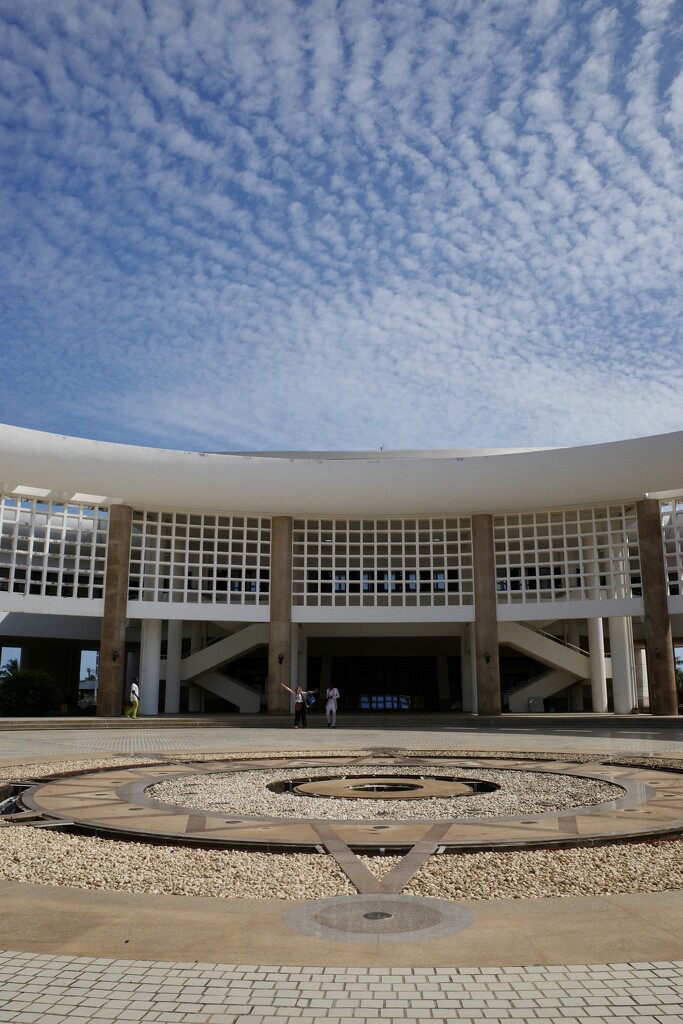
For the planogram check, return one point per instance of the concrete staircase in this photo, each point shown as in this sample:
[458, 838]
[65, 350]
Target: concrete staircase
[223, 650]
[245, 698]
[567, 664]
[201, 666]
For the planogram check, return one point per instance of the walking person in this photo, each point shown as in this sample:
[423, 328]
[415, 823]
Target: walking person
[299, 704]
[331, 706]
[132, 710]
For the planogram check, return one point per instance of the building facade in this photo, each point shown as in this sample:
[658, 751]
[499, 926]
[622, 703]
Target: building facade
[474, 581]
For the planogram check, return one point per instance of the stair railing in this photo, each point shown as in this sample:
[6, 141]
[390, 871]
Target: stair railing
[558, 639]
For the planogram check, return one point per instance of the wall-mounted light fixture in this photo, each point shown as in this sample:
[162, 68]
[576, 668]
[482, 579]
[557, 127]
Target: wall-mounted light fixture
[114, 655]
[487, 657]
[280, 658]
[657, 653]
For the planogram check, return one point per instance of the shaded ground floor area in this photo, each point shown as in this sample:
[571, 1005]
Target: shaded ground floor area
[556, 666]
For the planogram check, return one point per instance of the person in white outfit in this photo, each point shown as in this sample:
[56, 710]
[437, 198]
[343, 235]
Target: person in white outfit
[331, 707]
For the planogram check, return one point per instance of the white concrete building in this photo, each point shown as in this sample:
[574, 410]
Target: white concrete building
[525, 580]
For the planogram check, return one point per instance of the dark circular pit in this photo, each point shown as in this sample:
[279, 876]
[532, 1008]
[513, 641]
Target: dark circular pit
[384, 787]
[377, 787]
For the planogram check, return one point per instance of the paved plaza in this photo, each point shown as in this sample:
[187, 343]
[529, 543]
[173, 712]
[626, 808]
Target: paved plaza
[96, 956]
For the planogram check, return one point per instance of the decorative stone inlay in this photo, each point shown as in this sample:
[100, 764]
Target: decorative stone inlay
[379, 918]
[395, 825]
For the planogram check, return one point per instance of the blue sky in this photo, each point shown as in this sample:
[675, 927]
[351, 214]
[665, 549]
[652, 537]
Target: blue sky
[257, 224]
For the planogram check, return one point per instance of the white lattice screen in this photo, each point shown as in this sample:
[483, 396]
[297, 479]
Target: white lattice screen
[397, 562]
[213, 559]
[52, 550]
[573, 555]
[672, 542]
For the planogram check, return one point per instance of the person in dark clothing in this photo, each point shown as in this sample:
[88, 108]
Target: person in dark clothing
[299, 704]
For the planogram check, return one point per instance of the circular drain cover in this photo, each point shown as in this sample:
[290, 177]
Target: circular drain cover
[378, 918]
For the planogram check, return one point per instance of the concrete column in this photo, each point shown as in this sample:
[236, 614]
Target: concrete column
[442, 682]
[623, 665]
[196, 633]
[325, 673]
[280, 634]
[174, 646]
[299, 657]
[641, 680]
[149, 671]
[194, 698]
[486, 617]
[194, 693]
[112, 666]
[596, 649]
[576, 697]
[661, 670]
[468, 669]
[574, 632]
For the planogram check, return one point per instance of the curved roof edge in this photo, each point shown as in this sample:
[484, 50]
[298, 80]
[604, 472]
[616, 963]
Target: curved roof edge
[364, 484]
[392, 453]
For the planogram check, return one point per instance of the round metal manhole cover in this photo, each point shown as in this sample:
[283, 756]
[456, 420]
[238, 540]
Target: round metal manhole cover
[379, 918]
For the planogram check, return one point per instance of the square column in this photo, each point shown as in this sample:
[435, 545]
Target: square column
[468, 671]
[112, 666]
[486, 617]
[280, 631]
[174, 644]
[149, 666]
[661, 670]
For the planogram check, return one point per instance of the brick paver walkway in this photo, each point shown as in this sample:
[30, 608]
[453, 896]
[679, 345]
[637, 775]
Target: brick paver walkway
[54, 989]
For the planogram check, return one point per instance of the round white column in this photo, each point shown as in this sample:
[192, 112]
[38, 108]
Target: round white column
[149, 666]
[623, 668]
[641, 678]
[596, 647]
[174, 644]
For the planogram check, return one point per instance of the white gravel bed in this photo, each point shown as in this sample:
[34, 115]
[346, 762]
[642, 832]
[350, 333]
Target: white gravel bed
[85, 862]
[246, 792]
[50, 858]
[533, 874]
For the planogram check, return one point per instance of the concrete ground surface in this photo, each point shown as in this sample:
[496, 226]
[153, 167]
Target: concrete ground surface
[96, 956]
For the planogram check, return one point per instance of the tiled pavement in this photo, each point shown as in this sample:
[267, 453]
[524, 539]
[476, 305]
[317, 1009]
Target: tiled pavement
[49, 989]
[53, 989]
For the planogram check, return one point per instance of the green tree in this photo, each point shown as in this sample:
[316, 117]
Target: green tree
[27, 692]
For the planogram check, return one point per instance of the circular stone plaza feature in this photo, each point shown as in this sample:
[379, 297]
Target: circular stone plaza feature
[378, 803]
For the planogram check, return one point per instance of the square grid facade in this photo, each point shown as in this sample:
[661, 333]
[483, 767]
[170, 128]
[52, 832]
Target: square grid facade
[383, 562]
[567, 555]
[199, 558]
[49, 549]
[672, 541]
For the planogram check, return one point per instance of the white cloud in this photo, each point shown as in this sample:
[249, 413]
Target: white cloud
[341, 225]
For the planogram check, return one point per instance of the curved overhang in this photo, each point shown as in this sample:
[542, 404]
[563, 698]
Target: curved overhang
[58, 467]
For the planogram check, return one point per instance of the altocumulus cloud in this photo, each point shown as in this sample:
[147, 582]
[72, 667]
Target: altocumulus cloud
[341, 224]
